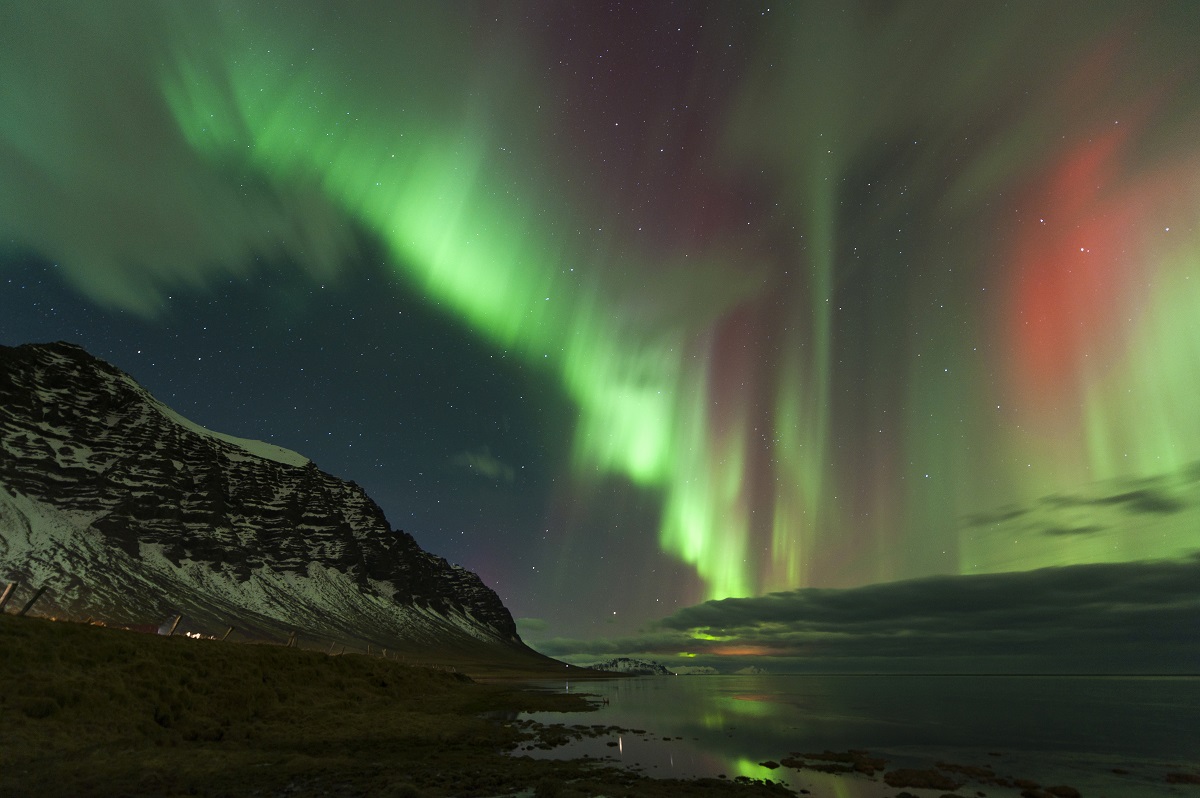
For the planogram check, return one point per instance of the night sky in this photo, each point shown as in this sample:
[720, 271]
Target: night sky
[632, 306]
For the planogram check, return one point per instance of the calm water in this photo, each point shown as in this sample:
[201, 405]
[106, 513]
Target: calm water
[1053, 730]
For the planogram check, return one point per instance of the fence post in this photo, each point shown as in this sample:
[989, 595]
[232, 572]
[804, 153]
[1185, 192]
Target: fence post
[291, 640]
[33, 600]
[174, 624]
[8, 591]
[228, 632]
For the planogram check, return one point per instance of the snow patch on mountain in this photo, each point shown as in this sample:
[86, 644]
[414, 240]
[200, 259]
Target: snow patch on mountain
[261, 449]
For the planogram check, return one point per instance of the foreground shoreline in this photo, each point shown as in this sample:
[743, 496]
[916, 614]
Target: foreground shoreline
[87, 710]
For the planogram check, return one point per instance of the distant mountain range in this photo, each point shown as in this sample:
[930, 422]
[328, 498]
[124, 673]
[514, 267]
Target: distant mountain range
[645, 667]
[633, 667]
[128, 513]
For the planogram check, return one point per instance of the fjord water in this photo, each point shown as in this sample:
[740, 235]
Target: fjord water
[1074, 730]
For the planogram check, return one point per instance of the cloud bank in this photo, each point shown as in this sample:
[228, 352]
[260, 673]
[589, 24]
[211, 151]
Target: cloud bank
[1138, 617]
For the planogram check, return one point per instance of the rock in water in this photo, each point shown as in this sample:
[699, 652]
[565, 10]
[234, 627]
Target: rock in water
[130, 513]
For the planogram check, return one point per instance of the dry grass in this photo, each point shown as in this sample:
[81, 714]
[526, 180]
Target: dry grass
[93, 711]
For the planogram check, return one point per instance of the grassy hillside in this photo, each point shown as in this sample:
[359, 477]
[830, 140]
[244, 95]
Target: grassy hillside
[92, 711]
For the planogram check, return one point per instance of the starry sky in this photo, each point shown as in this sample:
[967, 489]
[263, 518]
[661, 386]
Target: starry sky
[632, 306]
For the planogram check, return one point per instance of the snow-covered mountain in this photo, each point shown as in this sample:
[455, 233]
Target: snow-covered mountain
[634, 667]
[697, 670]
[751, 670]
[129, 513]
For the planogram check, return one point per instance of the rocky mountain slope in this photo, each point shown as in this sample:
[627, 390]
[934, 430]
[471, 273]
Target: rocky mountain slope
[128, 512]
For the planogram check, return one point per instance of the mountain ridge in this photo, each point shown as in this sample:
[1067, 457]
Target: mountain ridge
[632, 667]
[129, 512]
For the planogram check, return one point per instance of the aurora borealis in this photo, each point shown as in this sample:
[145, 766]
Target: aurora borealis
[812, 295]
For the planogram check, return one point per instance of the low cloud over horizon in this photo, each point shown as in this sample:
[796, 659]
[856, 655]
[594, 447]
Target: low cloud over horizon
[1135, 617]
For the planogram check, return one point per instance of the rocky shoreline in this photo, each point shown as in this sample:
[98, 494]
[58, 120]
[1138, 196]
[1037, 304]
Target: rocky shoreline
[91, 711]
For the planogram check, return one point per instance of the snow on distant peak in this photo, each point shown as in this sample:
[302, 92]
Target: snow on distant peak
[266, 451]
[633, 667]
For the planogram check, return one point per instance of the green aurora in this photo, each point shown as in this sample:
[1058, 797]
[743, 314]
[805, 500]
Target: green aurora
[960, 289]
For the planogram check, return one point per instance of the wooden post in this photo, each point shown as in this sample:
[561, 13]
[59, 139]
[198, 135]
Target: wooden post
[228, 632]
[174, 624]
[291, 640]
[8, 591]
[33, 600]
[332, 646]
[368, 649]
[343, 651]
